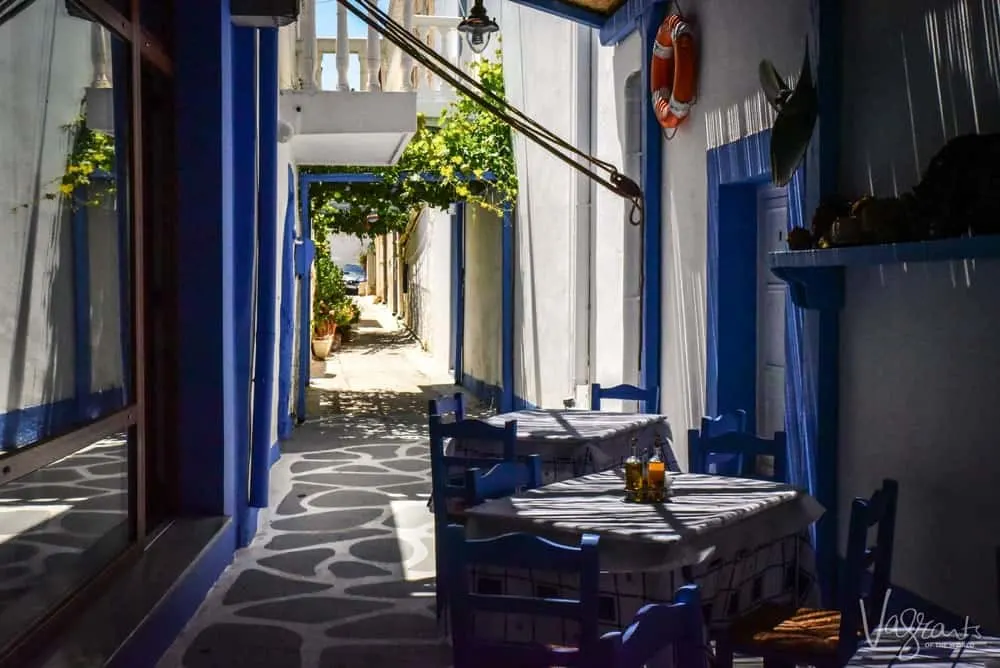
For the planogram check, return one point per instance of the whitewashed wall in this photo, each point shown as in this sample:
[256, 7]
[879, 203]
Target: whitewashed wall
[45, 68]
[428, 256]
[544, 83]
[346, 249]
[919, 358]
[482, 348]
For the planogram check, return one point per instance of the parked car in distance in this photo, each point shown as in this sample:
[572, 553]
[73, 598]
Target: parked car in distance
[353, 275]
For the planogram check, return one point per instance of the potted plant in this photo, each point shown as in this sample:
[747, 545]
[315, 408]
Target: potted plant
[343, 315]
[324, 328]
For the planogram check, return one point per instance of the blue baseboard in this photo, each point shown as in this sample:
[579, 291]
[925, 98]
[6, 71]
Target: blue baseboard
[485, 392]
[157, 632]
[522, 404]
[275, 451]
[247, 526]
[35, 423]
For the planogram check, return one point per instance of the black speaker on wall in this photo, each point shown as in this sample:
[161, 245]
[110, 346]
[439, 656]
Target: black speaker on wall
[264, 13]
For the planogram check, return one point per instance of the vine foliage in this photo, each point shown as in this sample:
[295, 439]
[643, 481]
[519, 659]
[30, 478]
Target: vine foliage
[466, 157]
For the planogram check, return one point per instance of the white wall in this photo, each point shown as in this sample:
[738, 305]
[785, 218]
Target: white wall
[919, 359]
[428, 254]
[482, 345]
[45, 68]
[346, 249]
[543, 82]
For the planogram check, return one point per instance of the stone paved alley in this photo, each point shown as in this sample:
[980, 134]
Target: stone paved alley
[341, 574]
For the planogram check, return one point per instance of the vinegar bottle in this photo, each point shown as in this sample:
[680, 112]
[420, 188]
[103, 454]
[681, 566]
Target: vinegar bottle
[633, 473]
[656, 473]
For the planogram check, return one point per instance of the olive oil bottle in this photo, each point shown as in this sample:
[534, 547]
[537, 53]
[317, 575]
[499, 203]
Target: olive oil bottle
[656, 473]
[633, 474]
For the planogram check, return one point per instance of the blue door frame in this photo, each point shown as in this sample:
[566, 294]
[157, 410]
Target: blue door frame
[458, 291]
[287, 313]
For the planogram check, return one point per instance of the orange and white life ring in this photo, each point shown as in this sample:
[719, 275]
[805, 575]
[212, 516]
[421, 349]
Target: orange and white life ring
[672, 72]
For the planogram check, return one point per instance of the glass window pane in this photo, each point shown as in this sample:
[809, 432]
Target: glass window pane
[65, 353]
[59, 526]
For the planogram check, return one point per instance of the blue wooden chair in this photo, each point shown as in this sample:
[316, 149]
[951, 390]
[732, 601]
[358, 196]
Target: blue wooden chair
[444, 405]
[659, 627]
[719, 463]
[786, 636]
[448, 476]
[503, 479]
[738, 454]
[522, 551]
[624, 393]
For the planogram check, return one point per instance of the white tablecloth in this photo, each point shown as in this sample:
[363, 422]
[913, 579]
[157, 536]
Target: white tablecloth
[572, 443]
[743, 541]
[924, 648]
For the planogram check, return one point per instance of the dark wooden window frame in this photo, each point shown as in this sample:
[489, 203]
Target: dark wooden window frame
[134, 417]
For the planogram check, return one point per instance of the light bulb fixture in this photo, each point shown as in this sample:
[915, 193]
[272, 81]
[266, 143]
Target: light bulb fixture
[477, 27]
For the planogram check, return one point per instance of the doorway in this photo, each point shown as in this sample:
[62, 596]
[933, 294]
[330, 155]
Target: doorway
[772, 229]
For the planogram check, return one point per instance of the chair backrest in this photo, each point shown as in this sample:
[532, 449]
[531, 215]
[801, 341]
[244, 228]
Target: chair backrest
[720, 463]
[445, 405]
[624, 392]
[879, 510]
[523, 552]
[745, 451]
[657, 627]
[503, 479]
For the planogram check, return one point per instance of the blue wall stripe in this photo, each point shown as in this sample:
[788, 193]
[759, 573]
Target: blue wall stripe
[267, 226]
[458, 243]
[244, 56]
[287, 309]
[507, 310]
[82, 363]
[304, 253]
[206, 392]
[29, 425]
[652, 186]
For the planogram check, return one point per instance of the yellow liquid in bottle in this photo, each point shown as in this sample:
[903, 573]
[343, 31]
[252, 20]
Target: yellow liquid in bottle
[633, 478]
[655, 474]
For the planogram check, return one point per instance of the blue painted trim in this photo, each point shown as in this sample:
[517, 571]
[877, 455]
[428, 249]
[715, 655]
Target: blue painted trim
[82, 351]
[507, 310]
[624, 22]
[458, 244]
[567, 11]
[206, 356]
[267, 268]
[158, 631]
[814, 287]
[652, 186]
[244, 58]
[304, 264]
[522, 404]
[962, 248]
[121, 65]
[30, 425]
[369, 177]
[247, 527]
[287, 310]
[275, 453]
[482, 390]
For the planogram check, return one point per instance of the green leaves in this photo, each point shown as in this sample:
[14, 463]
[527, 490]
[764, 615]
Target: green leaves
[440, 165]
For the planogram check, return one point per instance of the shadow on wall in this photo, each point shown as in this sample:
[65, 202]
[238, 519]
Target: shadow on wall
[55, 296]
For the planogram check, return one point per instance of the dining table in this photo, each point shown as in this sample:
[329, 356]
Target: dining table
[902, 646]
[745, 542]
[573, 442]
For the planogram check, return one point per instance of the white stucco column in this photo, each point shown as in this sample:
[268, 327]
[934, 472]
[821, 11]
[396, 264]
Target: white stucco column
[100, 50]
[343, 48]
[374, 57]
[407, 60]
[307, 26]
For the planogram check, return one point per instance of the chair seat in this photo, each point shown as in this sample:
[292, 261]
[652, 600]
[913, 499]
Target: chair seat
[785, 629]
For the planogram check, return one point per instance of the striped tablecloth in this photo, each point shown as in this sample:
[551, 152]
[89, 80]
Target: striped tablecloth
[743, 541]
[927, 648]
[572, 443]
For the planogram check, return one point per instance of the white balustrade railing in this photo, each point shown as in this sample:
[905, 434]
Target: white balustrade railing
[438, 32]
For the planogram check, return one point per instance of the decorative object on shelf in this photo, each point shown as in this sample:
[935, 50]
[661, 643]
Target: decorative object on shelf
[477, 27]
[647, 479]
[797, 110]
[958, 196]
[673, 73]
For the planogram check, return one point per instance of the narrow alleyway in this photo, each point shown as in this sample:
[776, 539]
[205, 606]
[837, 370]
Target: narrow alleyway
[341, 574]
